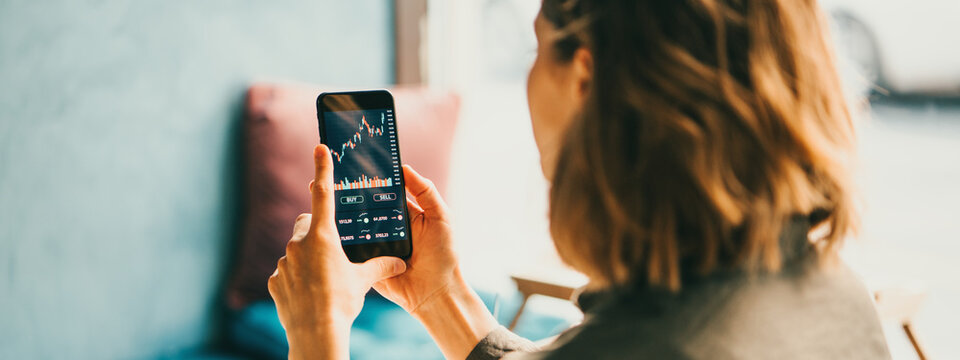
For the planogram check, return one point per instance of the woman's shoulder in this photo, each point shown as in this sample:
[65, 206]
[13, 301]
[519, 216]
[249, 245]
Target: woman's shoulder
[808, 310]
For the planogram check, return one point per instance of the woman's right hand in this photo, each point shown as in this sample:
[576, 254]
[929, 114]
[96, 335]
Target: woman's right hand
[432, 289]
[433, 267]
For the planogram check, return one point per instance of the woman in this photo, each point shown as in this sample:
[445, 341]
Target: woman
[692, 147]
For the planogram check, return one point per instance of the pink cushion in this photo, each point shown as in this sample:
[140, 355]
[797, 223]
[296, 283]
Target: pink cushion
[281, 131]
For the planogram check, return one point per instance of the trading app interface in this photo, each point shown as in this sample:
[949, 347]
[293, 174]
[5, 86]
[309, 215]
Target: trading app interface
[367, 176]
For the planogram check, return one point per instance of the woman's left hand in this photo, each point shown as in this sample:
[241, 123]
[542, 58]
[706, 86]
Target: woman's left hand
[318, 291]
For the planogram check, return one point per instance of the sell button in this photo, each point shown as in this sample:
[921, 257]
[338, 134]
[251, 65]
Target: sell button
[350, 200]
[384, 197]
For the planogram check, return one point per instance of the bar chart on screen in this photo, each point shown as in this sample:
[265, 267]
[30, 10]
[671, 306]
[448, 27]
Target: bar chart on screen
[364, 182]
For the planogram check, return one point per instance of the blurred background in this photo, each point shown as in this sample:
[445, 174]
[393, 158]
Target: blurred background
[129, 149]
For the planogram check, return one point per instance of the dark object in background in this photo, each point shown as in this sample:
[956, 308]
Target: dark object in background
[893, 47]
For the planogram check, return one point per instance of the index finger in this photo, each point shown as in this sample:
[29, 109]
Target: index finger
[321, 188]
[423, 190]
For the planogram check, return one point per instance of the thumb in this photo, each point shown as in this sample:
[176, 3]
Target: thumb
[383, 267]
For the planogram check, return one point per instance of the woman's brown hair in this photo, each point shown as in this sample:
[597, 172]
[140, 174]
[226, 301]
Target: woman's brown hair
[709, 124]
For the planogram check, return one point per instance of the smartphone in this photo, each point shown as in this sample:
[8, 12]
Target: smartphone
[360, 128]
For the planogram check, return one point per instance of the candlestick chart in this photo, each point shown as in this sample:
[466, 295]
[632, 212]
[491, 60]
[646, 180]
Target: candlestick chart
[363, 146]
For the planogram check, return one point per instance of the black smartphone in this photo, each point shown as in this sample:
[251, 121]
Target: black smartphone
[360, 128]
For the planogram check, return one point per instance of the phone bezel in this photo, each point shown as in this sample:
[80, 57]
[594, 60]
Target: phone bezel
[368, 100]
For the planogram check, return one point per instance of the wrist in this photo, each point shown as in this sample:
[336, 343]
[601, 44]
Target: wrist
[326, 339]
[451, 285]
[456, 318]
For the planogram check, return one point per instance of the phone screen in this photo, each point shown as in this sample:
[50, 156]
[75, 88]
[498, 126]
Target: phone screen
[371, 213]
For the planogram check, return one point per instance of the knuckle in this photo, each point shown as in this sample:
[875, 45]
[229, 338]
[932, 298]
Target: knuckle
[322, 187]
[430, 185]
[300, 226]
[281, 264]
[432, 191]
[272, 285]
[293, 246]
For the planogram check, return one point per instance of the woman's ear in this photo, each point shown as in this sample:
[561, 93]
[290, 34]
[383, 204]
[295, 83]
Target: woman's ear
[582, 73]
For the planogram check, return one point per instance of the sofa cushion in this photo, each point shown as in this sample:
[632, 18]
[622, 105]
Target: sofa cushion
[281, 131]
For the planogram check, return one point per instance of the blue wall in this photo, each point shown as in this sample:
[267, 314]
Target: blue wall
[119, 123]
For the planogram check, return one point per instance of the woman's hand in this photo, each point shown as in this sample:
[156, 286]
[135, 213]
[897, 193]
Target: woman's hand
[432, 266]
[433, 289]
[318, 291]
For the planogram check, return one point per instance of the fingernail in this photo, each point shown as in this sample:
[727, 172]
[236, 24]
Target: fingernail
[399, 267]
